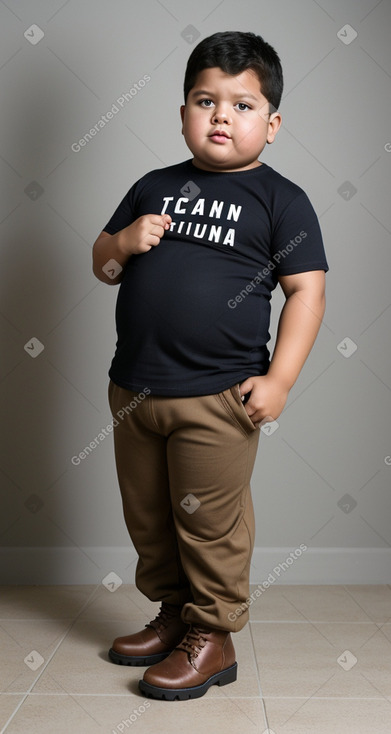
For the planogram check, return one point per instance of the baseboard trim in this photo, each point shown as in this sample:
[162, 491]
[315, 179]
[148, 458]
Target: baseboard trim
[64, 565]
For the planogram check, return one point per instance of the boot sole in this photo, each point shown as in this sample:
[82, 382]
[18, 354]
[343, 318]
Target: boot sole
[228, 675]
[119, 659]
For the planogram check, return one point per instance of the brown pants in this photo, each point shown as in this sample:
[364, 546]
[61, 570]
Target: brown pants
[184, 466]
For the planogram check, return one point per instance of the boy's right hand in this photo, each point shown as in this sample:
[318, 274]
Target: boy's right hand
[145, 232]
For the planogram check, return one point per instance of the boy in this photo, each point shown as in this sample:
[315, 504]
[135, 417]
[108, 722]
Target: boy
[198, 248]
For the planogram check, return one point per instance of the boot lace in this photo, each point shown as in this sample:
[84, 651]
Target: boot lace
[166, 613]
[194, 640]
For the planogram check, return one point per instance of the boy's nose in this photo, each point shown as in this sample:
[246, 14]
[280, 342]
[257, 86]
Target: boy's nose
[221, 115]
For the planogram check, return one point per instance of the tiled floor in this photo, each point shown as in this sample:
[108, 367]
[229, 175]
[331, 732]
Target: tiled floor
[313, 660]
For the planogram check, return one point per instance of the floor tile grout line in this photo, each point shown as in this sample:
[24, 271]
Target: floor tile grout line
[316, 621]
[210, 696]
[253, 621]
[255, 659]
[35, 681]
[349, 593]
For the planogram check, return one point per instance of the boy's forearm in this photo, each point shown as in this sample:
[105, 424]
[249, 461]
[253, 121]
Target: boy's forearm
[106, 249]
[298, 326]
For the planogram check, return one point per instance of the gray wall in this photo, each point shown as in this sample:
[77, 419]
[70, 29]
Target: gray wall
[323, 478]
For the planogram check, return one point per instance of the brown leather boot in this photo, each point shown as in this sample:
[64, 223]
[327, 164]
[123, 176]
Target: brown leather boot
[153, 643]
[204, 657]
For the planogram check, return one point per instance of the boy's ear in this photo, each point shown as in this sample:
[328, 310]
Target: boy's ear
[273, 127]
[182, 112]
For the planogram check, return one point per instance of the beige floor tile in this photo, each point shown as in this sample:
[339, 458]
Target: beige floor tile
[125, 604]
[92, 715]
[374, 662]
[272, 605]
[311, 603]
[374, 600]
[81, 664]
[338, 660]
[317, 716]
[43, 602]
[8, 704]
[25, 646]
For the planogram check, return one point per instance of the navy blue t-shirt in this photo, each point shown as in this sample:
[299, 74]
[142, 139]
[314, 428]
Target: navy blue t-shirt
[193, 312]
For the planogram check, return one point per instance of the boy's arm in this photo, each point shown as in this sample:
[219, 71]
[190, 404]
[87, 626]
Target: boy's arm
[138, 237]
[105, 248]
[298, 326]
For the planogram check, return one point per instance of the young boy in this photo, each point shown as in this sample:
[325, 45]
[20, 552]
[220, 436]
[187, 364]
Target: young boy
[198, 248]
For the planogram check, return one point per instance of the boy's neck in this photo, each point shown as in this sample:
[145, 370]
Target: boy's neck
[255, 164]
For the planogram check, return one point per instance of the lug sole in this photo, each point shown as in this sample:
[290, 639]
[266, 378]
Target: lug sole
[226, 676]
[119, 659]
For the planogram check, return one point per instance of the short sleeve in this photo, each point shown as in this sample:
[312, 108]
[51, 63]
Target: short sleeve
[124, 213]
[297, 243]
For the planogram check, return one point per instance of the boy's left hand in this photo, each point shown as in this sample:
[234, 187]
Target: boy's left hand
[267, 399]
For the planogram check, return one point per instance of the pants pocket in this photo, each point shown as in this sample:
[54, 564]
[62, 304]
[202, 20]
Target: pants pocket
[233, 404]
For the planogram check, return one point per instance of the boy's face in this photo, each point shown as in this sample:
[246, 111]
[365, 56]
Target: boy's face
[225, 121]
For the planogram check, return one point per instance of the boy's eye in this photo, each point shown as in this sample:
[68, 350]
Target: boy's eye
[207, 103]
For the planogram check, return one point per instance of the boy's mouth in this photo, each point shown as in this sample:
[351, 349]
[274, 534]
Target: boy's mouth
[219, 136]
